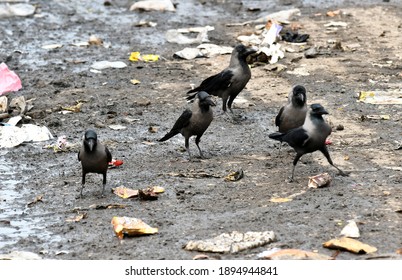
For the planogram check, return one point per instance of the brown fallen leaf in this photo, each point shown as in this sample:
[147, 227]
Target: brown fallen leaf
[76, 108]
[153, 129]
[203, 257]
[131, 227]
[349, 244]
[147, 194]
[77, 218]
[296, 254]
[333, 13]
[124, 192]
[319, 181]
[234, 175]
[107, 206]
[5, 222]
[280, 199]
[158, 189]
[399, 251]
[37, 199]
[94, 40]
[195, 174]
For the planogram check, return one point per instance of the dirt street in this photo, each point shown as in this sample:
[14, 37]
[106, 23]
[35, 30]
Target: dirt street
[363, 53]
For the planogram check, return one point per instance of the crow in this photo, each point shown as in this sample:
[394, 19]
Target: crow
[94, 157]
[293, 114]
[309, 137]
[193, 122]
[231, 81]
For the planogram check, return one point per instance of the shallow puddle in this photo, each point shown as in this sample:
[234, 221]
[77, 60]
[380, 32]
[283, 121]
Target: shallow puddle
[15, 222]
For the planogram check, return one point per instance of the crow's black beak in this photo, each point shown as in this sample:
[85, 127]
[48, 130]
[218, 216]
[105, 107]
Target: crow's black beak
[210, 102]
[301, 96]
[251, 51]
[323, 111]
[91, 144]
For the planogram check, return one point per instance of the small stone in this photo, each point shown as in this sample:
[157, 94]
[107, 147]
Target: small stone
[311, 53]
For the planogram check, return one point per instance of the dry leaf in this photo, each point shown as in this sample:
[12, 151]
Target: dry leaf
[77, 218]
[234, 175]
[280, 199]
[124, 192]
[295, 254]
[201, 257]
[333, 13]
[131, 227]
[349, 244]
[117, 127]
[147, 194]
[158, 189]
[76, 108]
[93, 40]
[107, 206]
[319, 181]
[37, 199]
[152, 129]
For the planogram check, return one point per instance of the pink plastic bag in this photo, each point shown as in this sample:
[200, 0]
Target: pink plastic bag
[9, 81]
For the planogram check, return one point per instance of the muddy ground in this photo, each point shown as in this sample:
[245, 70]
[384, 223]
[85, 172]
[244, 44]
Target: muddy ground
[198, 203]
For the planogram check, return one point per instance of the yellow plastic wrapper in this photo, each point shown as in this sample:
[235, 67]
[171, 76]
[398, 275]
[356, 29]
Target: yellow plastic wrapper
[131, 227]
[150, 57]
[136, 56]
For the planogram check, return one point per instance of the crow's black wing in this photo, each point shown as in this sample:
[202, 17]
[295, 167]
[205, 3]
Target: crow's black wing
[278, 117]
[108, 155]
[180, 123]
[296, 137]
[215, 83]
[183, 120]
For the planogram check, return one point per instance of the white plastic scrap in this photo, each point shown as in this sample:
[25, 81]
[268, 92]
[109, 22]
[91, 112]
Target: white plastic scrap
[232, 242]
[203, 50]
[351, 230]
[100, 65]
[153, 5]
[11, 136]
[177, 36]
[20, 9]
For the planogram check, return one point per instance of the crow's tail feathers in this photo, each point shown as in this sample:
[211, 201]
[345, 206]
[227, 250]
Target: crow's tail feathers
[168, 135]
[191, 97]
[277, 136]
